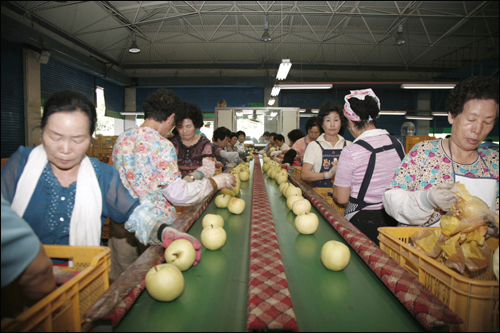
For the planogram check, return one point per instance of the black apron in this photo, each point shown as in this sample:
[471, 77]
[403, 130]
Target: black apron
[329, 155]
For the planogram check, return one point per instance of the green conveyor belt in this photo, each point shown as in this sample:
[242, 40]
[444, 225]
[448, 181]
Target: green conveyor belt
[350, 300]
[215, 296]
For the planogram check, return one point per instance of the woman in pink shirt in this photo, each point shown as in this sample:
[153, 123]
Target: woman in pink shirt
[366, 167]
[313, 130]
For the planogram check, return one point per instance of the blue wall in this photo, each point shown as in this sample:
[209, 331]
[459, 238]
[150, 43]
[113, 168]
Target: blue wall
[207, 97]
[12, 115]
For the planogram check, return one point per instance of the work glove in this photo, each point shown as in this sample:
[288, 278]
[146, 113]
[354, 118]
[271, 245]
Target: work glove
[61, 276]
[440, 197]
[492, 227]
[169, 234]
[275, 153]
[231, 165]
[276, 159]
[261, 152]
[224, 180]
[330, 173]
[286, 166]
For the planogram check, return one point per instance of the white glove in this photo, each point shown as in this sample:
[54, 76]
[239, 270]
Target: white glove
[330, 173]
[261, 152]
[224, 180]
[276, 159]
[230, 156]
[275, 153]
[231, 165]
[492, 227]
[440, 197]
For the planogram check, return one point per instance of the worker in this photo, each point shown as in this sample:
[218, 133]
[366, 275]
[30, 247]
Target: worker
[26, 270]
[419, 194]
[366, 167]
[321, 157]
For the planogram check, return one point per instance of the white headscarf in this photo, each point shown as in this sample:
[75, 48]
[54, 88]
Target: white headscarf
[85, 224]
[359, 94]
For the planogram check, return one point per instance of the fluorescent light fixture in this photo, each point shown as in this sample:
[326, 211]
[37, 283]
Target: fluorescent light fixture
[428, 85]
[284, 69]
[271, 101]
[419, 117]
[302, 110]
[307, 115]
[392, 113]
[131, 113]
[314, 110]
[440, 114]
[306, 86]
[275, 91]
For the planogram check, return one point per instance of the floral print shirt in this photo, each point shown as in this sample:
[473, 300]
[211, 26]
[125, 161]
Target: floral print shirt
[427, 165]
[146, 161]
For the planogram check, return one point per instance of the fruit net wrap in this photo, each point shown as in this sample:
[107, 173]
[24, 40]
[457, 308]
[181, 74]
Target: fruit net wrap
[114, 304]
[427, 309]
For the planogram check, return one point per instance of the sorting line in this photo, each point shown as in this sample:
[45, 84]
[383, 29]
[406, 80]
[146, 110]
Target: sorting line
[269, 303]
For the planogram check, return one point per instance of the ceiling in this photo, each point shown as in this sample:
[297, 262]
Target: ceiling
[323, 39]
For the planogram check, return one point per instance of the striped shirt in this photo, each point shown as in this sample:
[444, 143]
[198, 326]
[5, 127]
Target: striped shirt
[353, 163]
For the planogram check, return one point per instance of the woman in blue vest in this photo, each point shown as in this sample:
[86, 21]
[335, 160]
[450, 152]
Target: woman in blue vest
[320, 159]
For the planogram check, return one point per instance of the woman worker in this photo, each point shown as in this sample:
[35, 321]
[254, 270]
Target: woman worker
[419, 193]
[147, 166]
[313, 130]
[194, 151]
[367, 166]
[66, 196]
[319, 164]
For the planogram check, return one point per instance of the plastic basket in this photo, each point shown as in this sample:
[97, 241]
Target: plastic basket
[297, 171]
[474, 298]
[326, 193]
[63, 309]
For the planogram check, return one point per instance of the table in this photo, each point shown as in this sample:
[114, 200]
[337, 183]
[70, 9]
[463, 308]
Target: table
[215, 296]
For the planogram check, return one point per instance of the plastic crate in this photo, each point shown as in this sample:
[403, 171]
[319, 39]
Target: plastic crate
[326, 193]
[474, 298]
[63, 309]
[297, 171]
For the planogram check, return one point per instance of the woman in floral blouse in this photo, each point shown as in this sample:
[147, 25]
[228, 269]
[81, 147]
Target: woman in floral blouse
[147, 163]
[419, 193]
[194, 151]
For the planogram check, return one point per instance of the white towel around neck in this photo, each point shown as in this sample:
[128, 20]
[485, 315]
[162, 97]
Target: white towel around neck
[85, 224]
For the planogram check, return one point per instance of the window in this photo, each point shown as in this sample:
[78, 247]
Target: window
[105, 125]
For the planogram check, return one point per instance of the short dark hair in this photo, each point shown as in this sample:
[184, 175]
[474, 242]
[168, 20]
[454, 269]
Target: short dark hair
[266, 133]
[233, 134]
[273, 135]
[295, 135]
[162, 104]
[329, 107]
[240, 133]
[279, 137]
[221, 133]
[193, 112]
[69, 101]
[311, 122]
[475, 87]
[364, 109]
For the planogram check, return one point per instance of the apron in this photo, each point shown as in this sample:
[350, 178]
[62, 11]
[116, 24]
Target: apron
[485, 188]
[329, 155]
[355, 205]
